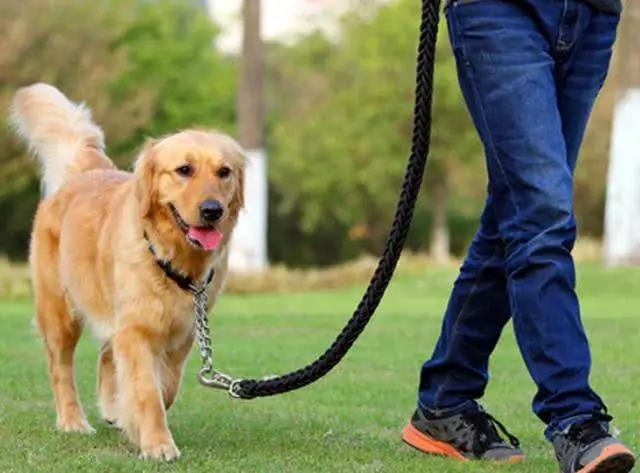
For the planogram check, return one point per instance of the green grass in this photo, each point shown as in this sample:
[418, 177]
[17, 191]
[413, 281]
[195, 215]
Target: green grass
[350, 420]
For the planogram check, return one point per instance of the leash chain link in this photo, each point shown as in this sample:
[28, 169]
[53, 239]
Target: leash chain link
[207, 375]
[203, 334]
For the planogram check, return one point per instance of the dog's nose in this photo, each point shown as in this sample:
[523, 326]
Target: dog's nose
[211, 210]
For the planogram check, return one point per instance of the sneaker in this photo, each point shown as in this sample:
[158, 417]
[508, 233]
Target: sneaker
[471, 434]
[587, 447]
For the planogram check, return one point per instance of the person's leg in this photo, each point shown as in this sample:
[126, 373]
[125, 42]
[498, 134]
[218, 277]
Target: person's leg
[581, 73]
[582, 68]
[449, 421]
[508, 77]
[458, 368]
[508, 70]
[477, 311]
[478, 307]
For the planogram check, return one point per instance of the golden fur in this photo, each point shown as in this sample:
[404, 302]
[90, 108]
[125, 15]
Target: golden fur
[90, 262]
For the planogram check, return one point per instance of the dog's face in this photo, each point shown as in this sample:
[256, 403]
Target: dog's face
[193, 180]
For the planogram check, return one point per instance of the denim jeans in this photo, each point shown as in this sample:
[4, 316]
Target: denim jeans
[530, 71]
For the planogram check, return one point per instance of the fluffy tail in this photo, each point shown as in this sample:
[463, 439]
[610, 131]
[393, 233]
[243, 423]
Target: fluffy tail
[61, 133]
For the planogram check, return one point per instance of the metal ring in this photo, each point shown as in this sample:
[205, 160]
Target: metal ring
[234, 389]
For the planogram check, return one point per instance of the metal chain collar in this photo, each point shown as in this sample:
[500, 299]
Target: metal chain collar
[207, 375]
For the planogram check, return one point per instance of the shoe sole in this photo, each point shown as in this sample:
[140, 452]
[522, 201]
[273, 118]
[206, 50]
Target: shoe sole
[613, 459]
[426, 444]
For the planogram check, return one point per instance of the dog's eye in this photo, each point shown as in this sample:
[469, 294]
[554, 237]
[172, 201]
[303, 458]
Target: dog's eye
[224, 171]
[185, 170]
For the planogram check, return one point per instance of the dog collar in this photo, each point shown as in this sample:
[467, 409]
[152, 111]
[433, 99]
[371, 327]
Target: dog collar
[184, 282]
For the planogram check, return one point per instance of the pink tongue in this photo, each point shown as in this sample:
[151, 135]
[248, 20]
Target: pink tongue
[209, 238]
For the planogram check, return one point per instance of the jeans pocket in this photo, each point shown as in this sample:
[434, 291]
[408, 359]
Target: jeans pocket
[449, 4]
[452, 28]
[464, 2]
[496, 33]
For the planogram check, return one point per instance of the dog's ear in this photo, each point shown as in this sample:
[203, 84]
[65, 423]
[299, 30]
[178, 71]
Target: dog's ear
[238, 158]
[145, 185]
[238, 199]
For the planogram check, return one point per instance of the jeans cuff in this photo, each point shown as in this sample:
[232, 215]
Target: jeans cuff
[563, 425]
[435, 413]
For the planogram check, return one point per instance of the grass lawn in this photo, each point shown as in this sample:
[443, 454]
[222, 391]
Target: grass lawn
[350, 420]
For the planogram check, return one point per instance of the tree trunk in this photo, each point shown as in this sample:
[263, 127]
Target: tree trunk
[249, 244]
[250, 104]
[440, 247]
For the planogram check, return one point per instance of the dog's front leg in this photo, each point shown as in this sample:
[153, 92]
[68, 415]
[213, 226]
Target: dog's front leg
[172, 371]
[141, 409]
[107, 385]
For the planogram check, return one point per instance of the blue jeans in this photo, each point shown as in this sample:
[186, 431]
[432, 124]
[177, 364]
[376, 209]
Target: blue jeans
[530, 71]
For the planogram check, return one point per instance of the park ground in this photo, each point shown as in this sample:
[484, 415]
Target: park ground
[350, 420]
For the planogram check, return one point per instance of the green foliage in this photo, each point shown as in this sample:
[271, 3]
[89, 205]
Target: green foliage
[341, 130]
[145, 68]
[171, 57]
[339, 113]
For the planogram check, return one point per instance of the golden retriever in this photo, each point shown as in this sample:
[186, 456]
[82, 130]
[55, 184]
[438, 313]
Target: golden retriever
[91, 262]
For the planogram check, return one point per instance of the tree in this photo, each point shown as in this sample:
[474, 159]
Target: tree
[144, 68]
[171, 66]
[249, 245]
[340, 130]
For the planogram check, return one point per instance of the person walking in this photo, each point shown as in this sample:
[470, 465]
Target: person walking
[530, 71]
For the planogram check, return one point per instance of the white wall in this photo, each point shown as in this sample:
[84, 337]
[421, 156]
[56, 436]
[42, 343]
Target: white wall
[622, 221]
[249, 243]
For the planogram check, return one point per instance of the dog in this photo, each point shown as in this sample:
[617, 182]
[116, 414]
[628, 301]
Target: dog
[99, 239]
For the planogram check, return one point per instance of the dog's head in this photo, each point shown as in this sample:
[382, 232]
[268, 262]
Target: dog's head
[193, 181]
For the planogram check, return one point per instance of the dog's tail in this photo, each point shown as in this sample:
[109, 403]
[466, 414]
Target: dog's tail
[62, 135]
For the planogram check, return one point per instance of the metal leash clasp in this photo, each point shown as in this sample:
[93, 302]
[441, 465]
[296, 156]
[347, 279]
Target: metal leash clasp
[214, 379]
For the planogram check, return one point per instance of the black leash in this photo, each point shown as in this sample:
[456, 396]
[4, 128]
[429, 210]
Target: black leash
[252, 388]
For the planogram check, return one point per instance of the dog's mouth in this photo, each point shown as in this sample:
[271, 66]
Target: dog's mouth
[206, 237]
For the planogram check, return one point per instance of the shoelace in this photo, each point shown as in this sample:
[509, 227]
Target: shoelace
[486, 427]
[589, 431]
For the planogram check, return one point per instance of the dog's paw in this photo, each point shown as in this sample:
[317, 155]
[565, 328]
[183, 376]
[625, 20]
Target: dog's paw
[78, 425]
[113, 423]
[163, 451]
[109, 415]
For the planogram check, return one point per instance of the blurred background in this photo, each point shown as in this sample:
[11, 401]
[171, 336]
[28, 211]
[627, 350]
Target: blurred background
[320, 93]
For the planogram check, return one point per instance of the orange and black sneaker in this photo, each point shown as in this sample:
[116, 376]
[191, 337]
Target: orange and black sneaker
[468, 435]
[588, 447]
